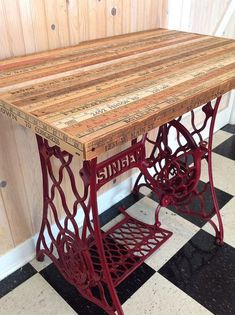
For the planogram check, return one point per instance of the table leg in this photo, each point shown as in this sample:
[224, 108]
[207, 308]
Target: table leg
[177, 168]
[70, 247]
[94, 261]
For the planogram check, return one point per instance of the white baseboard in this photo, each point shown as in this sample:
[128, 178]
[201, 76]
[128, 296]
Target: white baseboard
[16, 258]
[25, 252]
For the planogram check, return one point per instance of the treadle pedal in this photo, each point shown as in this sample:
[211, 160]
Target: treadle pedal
[127, 245]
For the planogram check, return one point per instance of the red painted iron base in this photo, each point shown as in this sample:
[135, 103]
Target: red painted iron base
[177, 170]
[95, 262]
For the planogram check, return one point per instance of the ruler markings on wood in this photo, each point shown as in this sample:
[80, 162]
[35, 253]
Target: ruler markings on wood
[78, 107]
[168, 82]
[108, 107]
[150, 105]
[108, 141]
[147, 82]
[39, 127]
[74, 89]
[130, 61]
[28, 83]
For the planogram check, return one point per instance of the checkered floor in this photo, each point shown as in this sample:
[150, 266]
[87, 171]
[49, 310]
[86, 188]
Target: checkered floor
[188, 275]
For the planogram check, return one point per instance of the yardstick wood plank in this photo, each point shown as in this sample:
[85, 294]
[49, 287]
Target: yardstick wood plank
[97, 95]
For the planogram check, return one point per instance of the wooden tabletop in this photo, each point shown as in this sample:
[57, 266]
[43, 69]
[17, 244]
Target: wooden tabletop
[92, 97]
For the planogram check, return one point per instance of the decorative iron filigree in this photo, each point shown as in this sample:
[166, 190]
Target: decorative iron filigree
[177, 169]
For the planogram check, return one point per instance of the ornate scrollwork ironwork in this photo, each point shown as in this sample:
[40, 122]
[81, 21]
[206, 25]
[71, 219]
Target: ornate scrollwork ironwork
[177, 169]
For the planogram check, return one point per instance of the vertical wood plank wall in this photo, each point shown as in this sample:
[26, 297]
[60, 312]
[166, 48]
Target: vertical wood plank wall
[28, 26]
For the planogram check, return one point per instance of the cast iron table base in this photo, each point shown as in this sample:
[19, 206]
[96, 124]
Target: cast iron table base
[95, 262]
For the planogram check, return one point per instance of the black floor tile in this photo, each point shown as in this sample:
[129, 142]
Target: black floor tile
[16, 278]
[206, 272]
[113, 211]
[69, 293]
[229, 128]
[84, 307]
[222, 198]
[227, 148]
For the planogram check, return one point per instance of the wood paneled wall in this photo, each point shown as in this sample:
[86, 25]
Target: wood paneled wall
[28, 26]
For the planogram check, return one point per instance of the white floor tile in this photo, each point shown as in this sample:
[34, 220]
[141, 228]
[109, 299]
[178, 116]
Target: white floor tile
[219, 137]
[228, 217]
[161, 297]
[145, 190]
[223, 173]
[34, 296]
[40, 265]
